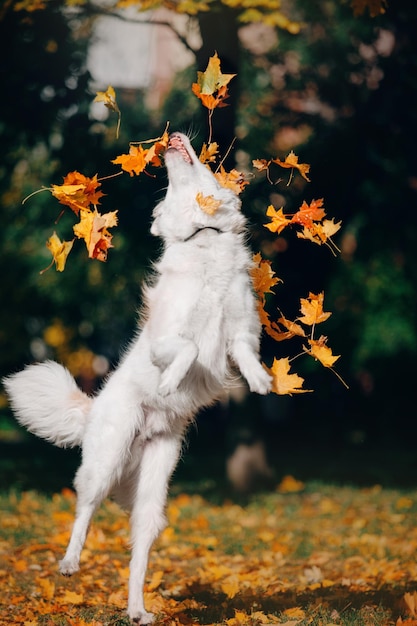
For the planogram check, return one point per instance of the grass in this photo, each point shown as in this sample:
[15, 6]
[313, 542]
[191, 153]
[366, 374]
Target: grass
[323, 555]
[339, 549]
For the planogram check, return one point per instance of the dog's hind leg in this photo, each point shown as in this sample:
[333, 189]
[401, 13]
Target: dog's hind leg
[106, 449]
[159, 459]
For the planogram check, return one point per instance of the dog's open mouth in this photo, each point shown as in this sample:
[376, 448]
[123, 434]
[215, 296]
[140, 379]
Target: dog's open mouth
[175, 143]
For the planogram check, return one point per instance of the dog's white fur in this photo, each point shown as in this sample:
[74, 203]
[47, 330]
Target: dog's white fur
[199, 321]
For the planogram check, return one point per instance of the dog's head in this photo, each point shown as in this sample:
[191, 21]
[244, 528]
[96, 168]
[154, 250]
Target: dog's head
[179, 215]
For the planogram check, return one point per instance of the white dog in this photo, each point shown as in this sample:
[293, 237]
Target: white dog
[200, 320]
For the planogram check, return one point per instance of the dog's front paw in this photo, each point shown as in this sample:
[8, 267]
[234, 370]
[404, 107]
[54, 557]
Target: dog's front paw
[143, 618]
[168, 383]
[261, 382]
[68, 567]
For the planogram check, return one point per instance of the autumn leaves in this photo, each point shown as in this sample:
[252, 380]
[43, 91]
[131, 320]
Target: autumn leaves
[82, 195]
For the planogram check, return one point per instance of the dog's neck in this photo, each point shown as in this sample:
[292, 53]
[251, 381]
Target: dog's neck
[199, 231]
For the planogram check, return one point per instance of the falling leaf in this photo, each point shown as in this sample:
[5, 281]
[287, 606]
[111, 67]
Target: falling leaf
[78, 191]
[209, 152]
[59, 250]
[283, 382]
[321, 233]
[108, 98]
[211, 85]
[233, 180]
[212, 78]
[307, 214]
[92, 227]
[261, 164]
[291, 161]
[312, 309]
[134, 162]
[208, 204]
[263, 276]
[320, 351]
[278, 220]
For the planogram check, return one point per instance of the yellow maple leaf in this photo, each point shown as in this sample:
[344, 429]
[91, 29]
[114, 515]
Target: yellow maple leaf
[208, 204]
[320, 351]
[233, 180]
[208, 152]
[312, 309]
[108, 98]
[263, 276]
[291, 161]
[284, 383]
[278, 220]
[59, 250]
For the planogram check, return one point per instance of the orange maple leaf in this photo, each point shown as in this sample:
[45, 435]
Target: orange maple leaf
[278, 220]
[134, 162]
[312, 309]
[154, 153]
[284, 383]
[78, 191]
[291, 161]
[307, 214]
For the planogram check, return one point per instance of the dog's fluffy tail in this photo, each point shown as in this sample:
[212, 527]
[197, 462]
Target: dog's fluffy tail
[46, 400]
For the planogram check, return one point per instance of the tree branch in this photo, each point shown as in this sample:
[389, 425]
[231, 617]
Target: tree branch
[93, 10]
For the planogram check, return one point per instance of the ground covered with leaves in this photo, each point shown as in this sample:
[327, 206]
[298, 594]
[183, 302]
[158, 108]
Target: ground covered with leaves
[302, 554]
